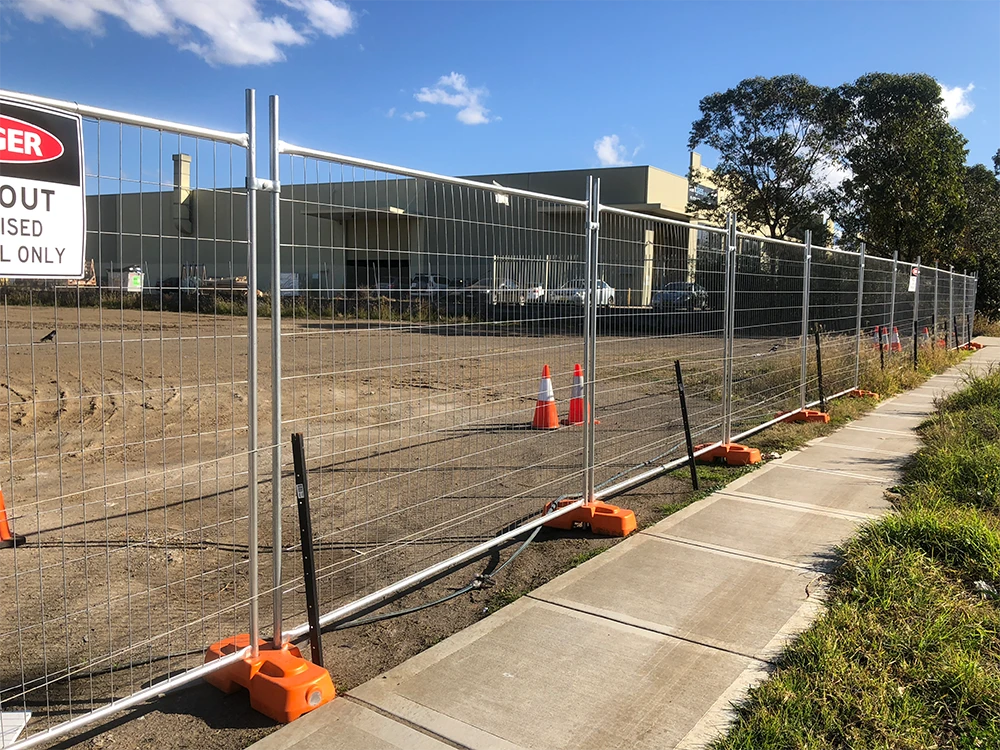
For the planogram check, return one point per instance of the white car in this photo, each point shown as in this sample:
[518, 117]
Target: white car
[576, 292]
[505, 291]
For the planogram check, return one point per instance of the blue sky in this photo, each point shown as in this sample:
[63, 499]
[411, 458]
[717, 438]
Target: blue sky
[502, 86]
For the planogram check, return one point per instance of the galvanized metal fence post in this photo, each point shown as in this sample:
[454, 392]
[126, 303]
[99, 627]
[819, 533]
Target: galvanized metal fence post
[934, 319]
[593, 218]
[729, 318]
[951, 302]
[275, 175]
[916, 310]
[965, 305]
[857, 324]
[806, 272]
[892, 301]
[252, 499]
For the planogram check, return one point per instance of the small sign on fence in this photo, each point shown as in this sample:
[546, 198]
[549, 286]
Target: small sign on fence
[42, 225]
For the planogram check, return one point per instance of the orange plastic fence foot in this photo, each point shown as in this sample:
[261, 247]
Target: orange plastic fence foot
[602, 518]
[807, 415]
[859, 393]
[282, 684]
[731, 454]
[972, 346]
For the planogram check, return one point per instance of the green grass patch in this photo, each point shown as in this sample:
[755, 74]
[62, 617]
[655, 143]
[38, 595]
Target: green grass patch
[587, 555]
[907, 654]
[501, 598]
[711, 477]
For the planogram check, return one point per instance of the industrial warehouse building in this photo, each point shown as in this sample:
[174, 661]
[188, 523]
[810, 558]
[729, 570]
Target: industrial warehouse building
[344, 228]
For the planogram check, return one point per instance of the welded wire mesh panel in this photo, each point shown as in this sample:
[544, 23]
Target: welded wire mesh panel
[939, 288]
[123, 432]
[418, 314]
[923, 303]
[968, 298]
[833, 307]
[767, 329]
[903, 310]
[876, 304]
[661, 300]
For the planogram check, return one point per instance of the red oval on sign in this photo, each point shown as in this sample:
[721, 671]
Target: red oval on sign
[24, 143]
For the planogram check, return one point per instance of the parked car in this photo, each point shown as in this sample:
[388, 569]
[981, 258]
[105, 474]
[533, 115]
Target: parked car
[505, 291]
[680, 295]
[576, 291]
[387, 287]
[429, 284]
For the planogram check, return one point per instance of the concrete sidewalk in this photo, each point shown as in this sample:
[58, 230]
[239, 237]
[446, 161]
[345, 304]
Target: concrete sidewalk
[648, 644]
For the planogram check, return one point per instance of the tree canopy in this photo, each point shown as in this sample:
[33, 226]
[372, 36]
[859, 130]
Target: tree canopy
[979, 246]
[878, 155]
[906, 166]
[773, 135]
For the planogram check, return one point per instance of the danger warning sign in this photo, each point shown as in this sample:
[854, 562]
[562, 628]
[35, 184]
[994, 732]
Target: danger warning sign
[42, 212]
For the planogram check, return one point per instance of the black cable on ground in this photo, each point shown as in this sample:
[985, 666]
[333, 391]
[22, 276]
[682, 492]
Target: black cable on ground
[481, 581]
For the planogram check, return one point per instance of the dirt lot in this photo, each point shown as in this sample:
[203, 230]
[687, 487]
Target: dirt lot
[123, 446]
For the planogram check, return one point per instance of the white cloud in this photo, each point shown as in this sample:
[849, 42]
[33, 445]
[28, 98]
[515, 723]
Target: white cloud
[610, 152]
[411, 116]
[391, 113]
[453, 91]
[957, 101]
[329, 17]
[829, 174]
[226, 32]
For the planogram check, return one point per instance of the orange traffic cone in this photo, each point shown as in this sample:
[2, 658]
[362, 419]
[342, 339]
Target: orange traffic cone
[876, 339]
[885, 338]
[7, 539]
[894, 345]
[925, 337]
[546, 415]
[576, 398]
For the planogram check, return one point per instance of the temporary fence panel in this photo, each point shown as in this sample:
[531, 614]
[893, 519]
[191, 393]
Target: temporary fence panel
[876, 304]
[903, 308]
[942, 324]
[767, 329]
[417, 399]
[124, 430]
[833, 305]
[663, 302]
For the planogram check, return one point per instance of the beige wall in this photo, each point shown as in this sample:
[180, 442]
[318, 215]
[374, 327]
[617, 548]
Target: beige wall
[668, 190]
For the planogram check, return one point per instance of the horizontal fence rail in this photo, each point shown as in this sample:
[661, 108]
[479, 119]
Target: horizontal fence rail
[400, 320]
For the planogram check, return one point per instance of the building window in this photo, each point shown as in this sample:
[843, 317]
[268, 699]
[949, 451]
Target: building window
[706, 196]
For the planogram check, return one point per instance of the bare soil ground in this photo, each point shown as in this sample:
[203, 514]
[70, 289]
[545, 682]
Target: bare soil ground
[123, 461]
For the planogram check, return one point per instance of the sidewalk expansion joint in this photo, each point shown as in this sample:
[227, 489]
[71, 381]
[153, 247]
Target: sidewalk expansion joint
[847, 515]
[404, 722]
[730, 552]
[692, 641]
[862, 428]
[856, 449]
[834, 472]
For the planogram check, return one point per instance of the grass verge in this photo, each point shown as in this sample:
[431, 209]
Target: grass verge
[907, 653]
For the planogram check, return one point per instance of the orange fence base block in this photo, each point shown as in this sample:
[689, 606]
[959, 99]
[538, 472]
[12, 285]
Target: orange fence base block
[972, 346]
[731, 454]
[859, 393]
[602, 518]
[282, 684]
[807, 415]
